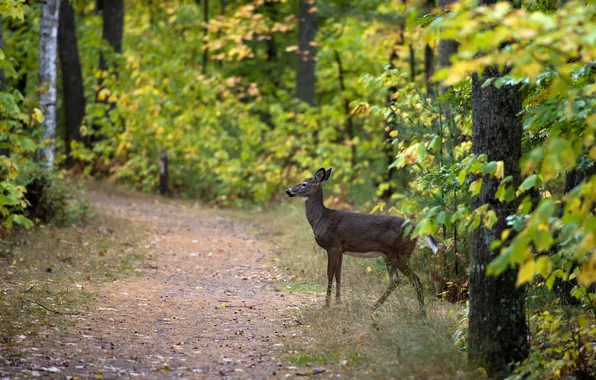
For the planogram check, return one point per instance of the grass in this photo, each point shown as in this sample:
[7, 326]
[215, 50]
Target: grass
[397, 343]
[49, 274]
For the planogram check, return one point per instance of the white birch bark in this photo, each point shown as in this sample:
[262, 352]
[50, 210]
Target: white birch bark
[48, 51]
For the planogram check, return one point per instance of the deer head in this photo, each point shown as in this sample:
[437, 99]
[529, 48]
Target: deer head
[310, 186]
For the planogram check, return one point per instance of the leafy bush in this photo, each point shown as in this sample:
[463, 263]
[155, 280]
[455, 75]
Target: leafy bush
[51, 197]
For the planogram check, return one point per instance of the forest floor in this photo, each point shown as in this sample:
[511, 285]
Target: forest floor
[206, 304]
[158, 288]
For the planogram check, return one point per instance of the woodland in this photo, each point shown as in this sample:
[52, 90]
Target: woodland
[474, 119]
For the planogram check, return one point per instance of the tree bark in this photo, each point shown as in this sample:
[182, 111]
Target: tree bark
[205, 33]
[350, 130]
[72, 79]
[305, 69]
[497, 333]
[447, 47]
[429, 57]
[572, 179]
[164, 178]
[3, 151]
[387, 139]
[48, 50]
[2, 77]
[271, 45]
[113, 27]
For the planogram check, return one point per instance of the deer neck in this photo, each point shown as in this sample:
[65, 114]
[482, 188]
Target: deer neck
[315, 209]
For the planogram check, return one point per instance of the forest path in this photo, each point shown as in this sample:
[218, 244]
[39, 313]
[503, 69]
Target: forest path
[205, 305]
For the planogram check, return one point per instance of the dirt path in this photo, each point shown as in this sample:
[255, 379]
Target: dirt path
[207, 305]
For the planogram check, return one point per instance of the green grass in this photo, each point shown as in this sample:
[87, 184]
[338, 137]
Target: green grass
[345, 338]
[304, 288]
[49, 274]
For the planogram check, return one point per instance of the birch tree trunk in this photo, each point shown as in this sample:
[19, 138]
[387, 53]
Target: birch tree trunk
[48, 50]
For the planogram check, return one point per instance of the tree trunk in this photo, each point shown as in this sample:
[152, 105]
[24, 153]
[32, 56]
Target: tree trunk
[305, 69]
[563, 288]
[446, 47]
[205, 32]
[163, 172]
[387, 139]
[271, 45]
[72, 79]
[349, 126]
[3, 151]
[113, 27]
[429, 57]
[48, 50]
[429, 68]
[497, 333]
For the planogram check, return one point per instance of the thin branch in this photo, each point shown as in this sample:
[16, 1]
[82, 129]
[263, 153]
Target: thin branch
[45, 307]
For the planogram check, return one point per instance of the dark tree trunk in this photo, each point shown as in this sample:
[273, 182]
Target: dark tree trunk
[222, 13]
[446, 47]
[205, 32]
[563, 288]
[113, 27]
[2, 77]
[3, 151]
[429, 68]
[305, 69]
[72, 79]
[497, 334]
[387, 139]
[412, 63]
[429, 56]
[163, 172]
[271, 47]
[350, 130]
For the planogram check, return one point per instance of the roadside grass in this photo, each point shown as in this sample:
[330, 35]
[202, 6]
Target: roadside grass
[397, 343]
[48, 275]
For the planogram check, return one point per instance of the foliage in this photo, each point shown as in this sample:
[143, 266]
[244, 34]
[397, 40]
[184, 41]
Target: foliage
[13, 124]
[234, 134]
[28, 192]
[562, 347]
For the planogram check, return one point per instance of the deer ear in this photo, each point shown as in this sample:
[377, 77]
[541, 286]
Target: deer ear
[320, 175]
[327, 174]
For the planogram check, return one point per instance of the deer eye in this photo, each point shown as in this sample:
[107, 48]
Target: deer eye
[303, 184]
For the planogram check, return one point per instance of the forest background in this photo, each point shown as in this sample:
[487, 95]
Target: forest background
[474, 119]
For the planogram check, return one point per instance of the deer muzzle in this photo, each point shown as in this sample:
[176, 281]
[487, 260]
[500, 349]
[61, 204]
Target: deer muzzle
[289, 193]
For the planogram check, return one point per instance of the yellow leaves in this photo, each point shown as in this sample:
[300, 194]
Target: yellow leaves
[587, 274]
[476, 186]
[544, 266]
[393, 134]
[103, 94]
[500, 171]
[526, 272]
[37, 115]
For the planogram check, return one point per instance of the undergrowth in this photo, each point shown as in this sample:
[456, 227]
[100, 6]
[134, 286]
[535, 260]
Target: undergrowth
[397, 343]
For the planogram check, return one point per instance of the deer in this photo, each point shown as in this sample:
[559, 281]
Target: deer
[341, 233]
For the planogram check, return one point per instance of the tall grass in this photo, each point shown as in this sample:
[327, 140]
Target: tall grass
[397, 342]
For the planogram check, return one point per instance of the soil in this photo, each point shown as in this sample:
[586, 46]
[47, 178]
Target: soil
[207, 304]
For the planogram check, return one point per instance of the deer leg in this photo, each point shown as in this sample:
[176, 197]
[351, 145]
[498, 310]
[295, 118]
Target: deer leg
[332, 256]
[391, 272]
[405, 268]
[393, 281]
[338, 279]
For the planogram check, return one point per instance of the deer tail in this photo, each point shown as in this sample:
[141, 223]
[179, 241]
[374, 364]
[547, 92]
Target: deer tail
[432, 243]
